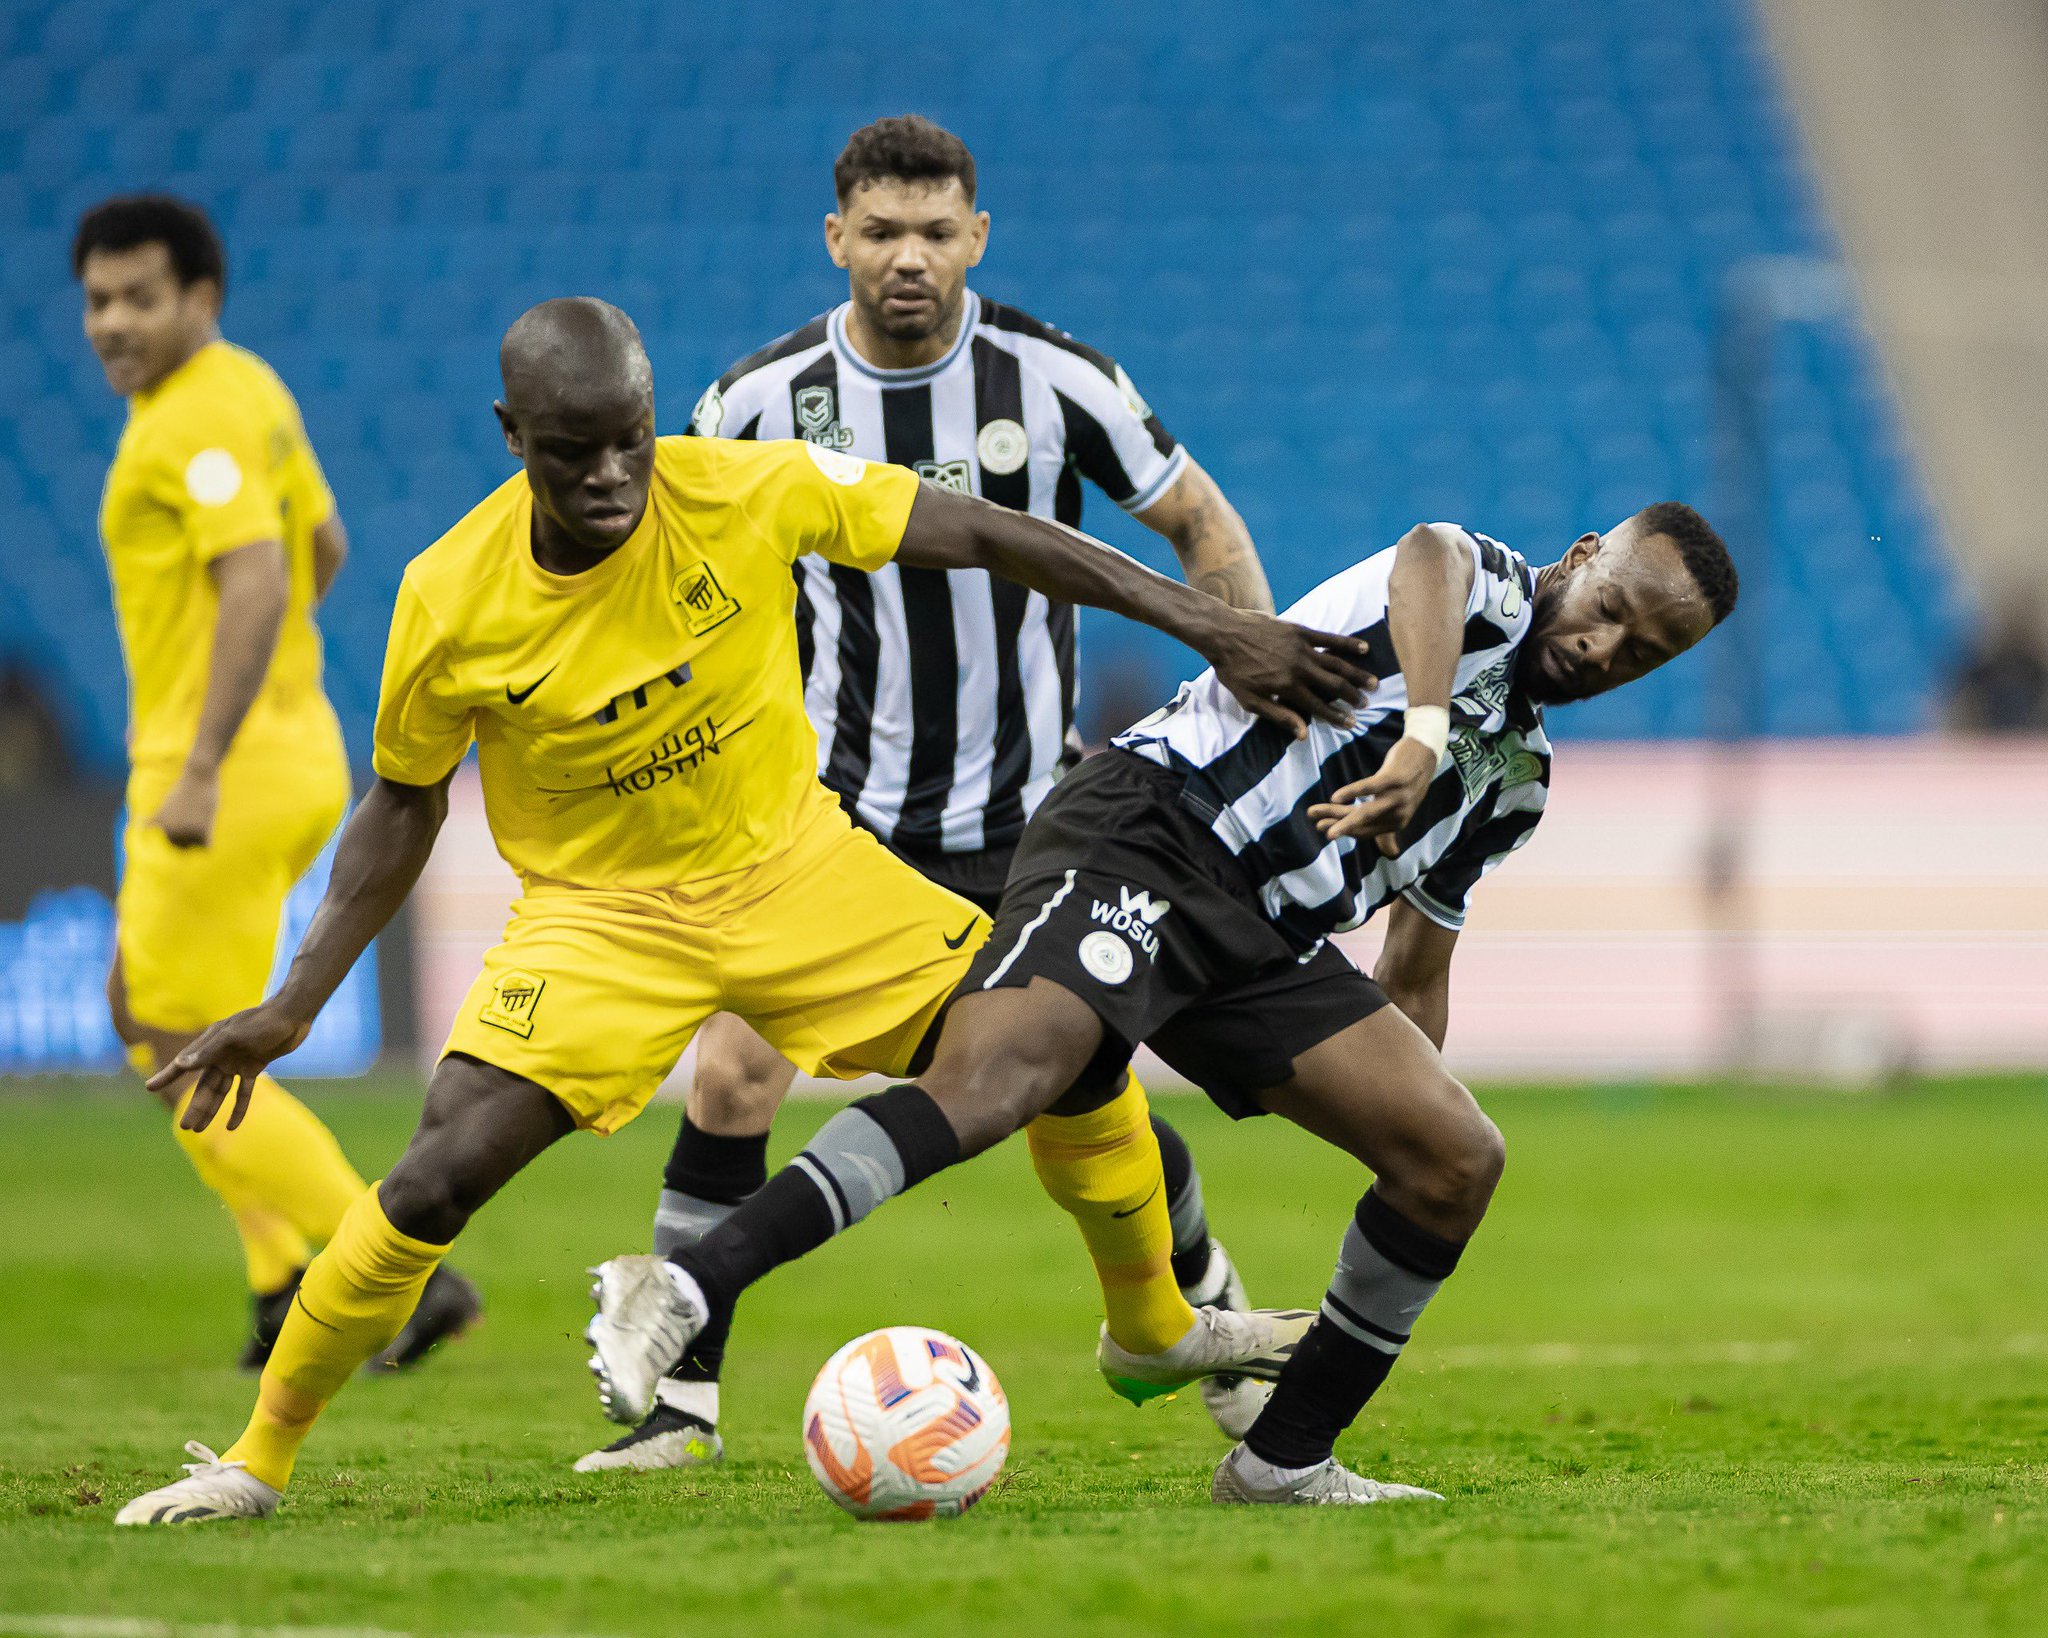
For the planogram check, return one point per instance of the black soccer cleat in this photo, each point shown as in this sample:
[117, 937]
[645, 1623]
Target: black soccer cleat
[448, 1306]
[269, 1309]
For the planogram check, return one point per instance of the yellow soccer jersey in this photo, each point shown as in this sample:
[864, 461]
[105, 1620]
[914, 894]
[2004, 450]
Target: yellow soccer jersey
[212, 459]
[640, 724]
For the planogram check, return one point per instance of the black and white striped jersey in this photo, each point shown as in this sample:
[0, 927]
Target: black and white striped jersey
[1253, 783]
[943, 699]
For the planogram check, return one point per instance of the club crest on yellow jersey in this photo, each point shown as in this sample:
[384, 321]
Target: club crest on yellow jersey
[705, 602]
[515, 996]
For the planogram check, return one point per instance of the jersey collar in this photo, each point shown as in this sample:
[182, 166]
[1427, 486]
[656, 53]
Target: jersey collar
[599, 574]
[842, 344]
[149, 395]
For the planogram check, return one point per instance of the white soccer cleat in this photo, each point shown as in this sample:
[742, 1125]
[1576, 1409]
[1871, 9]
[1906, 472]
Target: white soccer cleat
[1327, 1484]
[1255, 1343]
[1233, 1402]
[642, 1326]
[211, 1489]
[668, 1438]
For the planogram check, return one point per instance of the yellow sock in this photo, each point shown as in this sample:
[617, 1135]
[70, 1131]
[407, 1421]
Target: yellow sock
[281, 1159]
[272, 1249]
[356, 1297]
[1103, 1169]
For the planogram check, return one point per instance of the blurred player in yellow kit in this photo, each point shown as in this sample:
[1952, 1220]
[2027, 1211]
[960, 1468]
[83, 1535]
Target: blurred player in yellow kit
[221, 536]
[614, 631]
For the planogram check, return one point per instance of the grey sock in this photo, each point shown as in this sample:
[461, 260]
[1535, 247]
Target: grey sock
[1372, 1299]
[683, 1219]
[855, 1165]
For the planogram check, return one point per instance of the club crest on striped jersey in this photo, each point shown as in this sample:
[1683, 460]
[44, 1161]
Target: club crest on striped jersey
[947, 475]
[817, 418]
[1002, 447]
[705, 602]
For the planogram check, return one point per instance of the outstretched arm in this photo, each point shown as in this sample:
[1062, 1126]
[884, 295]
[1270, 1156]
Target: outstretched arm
[1214, 547]
[383, 850]
[1282, 672]
[1414, 969]
[1426, 596]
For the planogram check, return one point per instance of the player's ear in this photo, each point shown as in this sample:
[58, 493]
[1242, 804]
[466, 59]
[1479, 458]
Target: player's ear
[510, 428]
[980, 238]
[835, 237]
[208, 294]
[1582, 549]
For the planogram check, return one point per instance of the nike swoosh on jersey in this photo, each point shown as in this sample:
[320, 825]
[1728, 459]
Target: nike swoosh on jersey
[1140, 1206]
[520, 696]
[955, 943]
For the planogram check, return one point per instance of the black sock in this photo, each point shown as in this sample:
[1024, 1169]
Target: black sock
[1183, 1206]
[1388, 1270]
[874, 1148]
[721, 1169]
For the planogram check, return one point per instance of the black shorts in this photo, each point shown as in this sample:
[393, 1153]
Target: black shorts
[1122, 896]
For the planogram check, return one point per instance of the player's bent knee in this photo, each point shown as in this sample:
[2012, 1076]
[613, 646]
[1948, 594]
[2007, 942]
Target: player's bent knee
[1462, 1170]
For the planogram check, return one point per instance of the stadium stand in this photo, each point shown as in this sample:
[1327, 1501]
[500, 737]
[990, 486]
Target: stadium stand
[1374, 263]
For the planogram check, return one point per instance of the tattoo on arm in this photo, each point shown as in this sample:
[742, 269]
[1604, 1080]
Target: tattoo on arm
[1240, 584]
[1214, 547]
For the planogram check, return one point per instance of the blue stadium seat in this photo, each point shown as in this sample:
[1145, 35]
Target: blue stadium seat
[1467, 258]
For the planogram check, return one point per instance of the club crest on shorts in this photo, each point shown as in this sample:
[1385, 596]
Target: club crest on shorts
[704, 600]
[1106, 957]
[1002, 447]
[515, 994]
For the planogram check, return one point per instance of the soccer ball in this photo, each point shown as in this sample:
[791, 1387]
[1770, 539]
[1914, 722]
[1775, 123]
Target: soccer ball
[906, 1423]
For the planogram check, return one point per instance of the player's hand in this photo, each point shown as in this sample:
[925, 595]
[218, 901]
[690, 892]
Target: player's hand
[186, 816]
[1288, 673]
[1381, 804]
[228, 1058]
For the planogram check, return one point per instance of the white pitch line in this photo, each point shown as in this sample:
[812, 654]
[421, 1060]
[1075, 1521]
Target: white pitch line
[104, 1626]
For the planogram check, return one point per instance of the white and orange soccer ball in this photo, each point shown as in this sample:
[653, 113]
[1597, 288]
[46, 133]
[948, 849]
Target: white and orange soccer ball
[905, 1423]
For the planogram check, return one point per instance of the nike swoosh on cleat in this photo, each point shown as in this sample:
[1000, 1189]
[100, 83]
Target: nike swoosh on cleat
[955, 943]
[1140, 1206]
[519, 696]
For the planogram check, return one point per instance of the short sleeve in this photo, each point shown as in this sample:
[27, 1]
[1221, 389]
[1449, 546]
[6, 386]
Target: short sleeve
[221, 475]
[844, 509]
[1115, 440]
[316, 497]
[421, 732]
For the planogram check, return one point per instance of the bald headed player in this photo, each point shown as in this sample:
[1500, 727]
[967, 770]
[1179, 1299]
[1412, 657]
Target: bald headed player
[221, 537]
[1247, 848]
[612, 629]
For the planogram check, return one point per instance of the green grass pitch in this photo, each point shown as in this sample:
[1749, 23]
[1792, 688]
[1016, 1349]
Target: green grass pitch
[1721, 1362]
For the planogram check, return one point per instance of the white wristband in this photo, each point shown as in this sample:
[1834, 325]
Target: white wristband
[1428, 725]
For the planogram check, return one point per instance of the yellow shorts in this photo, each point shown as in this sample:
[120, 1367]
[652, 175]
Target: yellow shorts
[836, 951]
[197, 927]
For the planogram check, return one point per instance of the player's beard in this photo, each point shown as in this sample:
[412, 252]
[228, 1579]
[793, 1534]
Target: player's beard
[1533, 678]
[944, 321]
